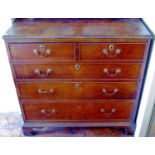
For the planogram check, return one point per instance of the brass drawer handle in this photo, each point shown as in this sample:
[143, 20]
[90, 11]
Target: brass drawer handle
[48, 52]
[111, 48]
[102, 110]
[45, 112]
[38, 72]
[105, 52]
[106, 71]
[41, 48]
[108, 93]
[42, 91]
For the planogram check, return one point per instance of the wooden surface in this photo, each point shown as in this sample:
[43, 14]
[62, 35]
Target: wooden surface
[82, 132]
[94, 51]
[58, 51]
[96, 67]
[69, 91]
[82, 112]
[87, 71]
[74, 28]
[79, 129]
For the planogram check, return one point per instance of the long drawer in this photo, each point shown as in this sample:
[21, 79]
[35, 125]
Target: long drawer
[78, 91]
[79, 111]
[114, 51]
[78, 71]
[42, 51]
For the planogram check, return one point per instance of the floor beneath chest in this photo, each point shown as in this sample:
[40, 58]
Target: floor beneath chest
[11, 123]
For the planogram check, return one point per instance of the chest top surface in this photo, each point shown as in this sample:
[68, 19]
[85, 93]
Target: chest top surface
[78, 28]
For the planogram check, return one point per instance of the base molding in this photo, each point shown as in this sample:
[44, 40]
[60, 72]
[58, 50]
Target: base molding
[32, 129]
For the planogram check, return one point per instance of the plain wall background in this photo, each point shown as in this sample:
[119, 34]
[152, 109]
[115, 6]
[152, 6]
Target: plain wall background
[9, 97]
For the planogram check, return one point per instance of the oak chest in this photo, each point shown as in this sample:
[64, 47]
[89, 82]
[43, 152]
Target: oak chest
[78, 72]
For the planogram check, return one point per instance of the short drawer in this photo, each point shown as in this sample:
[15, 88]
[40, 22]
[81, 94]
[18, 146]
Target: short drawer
[78, 71]
[42, 51]
[103, 51]
[75, 91]
[79, 111]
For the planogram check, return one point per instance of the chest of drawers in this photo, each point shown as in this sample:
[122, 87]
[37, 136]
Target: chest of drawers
[78, 72]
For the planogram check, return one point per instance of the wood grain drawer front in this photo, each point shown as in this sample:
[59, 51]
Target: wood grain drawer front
[86, 90]
[96, 51]
[78, 71]
[42, 51]
[45, 71]
[78, 111]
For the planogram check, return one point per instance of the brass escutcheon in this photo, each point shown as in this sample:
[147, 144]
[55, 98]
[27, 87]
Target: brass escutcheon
[41, 47]
[77, 85]
[111, 47]
[77, 66]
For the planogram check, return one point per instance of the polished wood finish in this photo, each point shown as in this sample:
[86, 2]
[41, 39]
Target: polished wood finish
[94, 51]
[75, 91]
[82, 112]
[78, 28]
[59, 51]
[78, 72]
[84, 72]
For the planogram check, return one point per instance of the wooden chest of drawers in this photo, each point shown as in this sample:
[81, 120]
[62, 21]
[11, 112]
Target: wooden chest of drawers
[78, 72]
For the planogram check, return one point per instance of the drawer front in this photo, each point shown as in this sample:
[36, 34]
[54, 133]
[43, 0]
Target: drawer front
[78, 111]
[78, 71]
[86, 90]
[96, 51]
[45, 71]
[42, 51]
